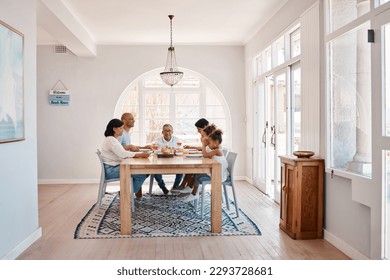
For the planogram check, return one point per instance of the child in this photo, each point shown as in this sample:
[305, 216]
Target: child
[188, 181]
[211, 148]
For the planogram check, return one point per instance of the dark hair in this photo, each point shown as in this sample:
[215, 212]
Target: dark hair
[216, 135]
[209, 129]
[111, 125]
[201, 123]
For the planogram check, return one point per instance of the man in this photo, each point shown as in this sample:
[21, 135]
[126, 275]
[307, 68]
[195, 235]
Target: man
[128, 123]
[171, 141]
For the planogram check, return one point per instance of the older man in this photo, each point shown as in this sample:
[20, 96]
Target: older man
[128, 123]
[168, 139]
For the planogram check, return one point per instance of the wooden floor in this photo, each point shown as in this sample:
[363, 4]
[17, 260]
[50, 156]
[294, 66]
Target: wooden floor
[61, 207]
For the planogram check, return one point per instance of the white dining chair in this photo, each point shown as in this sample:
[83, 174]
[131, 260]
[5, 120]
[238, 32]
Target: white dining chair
[104, 181]
[225, 151]
[151, 179]
[231, 159]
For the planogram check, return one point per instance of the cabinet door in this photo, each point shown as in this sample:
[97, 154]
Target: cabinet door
[287, 198]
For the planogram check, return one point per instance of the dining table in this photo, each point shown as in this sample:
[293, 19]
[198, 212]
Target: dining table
[185, 164]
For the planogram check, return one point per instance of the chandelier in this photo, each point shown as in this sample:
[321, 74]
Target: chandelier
[171, 75]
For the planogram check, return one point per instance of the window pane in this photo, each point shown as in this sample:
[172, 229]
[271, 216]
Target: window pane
[187, 99]
[350, 90]
[295, 43]
[258, 65]
[279, 47]
[296, 93]
[187, 112]
[386, 74]
[381, 2]
[157, 112]
[156, 98]
[268, 59]
[153, 128]
[344, 11]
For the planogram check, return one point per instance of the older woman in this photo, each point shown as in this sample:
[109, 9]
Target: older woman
[113, 153]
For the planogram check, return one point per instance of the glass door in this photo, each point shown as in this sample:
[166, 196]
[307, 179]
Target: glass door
[262, 132]
[279, 139]
[272, 130]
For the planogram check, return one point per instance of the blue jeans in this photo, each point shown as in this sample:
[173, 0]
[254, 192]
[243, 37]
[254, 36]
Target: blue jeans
[161, 182]
[200, 178]
[112, 172]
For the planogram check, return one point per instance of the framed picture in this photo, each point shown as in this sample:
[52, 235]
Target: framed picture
[11, 84]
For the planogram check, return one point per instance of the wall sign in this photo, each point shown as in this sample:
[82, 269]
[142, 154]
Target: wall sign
[59, 97]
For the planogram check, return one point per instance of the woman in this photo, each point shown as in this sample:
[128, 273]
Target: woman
[113, 153]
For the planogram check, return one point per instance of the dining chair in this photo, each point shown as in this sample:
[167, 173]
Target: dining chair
[151, 183]
[225, 151]
[231, 159]
[104, 181]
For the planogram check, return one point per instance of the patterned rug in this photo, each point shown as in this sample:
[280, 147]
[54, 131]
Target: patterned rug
[161, 216]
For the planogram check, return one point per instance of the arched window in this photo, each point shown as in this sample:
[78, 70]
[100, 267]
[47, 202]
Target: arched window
[153, 104]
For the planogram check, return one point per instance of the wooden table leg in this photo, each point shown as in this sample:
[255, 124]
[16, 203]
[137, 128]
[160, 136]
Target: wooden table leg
[216, 198]
[125, 199]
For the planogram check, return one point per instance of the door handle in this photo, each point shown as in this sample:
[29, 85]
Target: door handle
[263, 138]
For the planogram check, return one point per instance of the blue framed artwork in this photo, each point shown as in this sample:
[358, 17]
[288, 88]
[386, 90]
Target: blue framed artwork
[11, 84]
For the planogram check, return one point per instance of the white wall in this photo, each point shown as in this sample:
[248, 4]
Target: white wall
[68, 136]
[18, 160]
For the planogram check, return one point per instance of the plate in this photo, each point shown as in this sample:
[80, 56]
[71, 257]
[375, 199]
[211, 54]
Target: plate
[144, 150]
[192, 151]
[194, 155]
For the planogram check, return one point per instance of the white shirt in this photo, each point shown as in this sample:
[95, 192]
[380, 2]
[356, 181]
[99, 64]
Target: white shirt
[161, 142]
[113, 152]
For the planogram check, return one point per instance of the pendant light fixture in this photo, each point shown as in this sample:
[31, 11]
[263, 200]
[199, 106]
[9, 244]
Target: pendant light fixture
[171, 75]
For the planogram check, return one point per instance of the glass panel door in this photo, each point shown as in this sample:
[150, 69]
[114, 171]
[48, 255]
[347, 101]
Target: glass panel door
[261, 139]
[279, 139]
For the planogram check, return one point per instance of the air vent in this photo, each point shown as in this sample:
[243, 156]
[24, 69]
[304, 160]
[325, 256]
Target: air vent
[60, 49]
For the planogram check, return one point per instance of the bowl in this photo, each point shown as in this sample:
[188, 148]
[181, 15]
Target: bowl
[303, 154]
[166, 151]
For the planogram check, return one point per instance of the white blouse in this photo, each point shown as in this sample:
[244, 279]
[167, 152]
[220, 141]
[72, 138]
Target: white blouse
[113, 152]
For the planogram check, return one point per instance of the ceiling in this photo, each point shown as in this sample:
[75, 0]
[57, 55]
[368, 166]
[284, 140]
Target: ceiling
[85, 24]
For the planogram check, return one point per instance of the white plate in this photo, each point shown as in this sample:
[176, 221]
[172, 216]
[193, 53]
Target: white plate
[192, 151]
[144, 150]
[194, 155]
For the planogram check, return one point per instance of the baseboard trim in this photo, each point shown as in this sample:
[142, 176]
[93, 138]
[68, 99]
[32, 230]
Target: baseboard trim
[344, 247]
[22, 246]
[67, 181]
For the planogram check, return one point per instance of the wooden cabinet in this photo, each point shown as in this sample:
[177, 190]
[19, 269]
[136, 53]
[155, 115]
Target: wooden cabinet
[301, 202]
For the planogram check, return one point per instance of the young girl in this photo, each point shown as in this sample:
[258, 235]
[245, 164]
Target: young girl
[188, 182]
[211, 149]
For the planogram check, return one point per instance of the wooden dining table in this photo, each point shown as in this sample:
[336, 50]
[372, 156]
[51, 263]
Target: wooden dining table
[173, 165]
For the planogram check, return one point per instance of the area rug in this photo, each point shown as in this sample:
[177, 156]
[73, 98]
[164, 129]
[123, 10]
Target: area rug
[161, 216]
